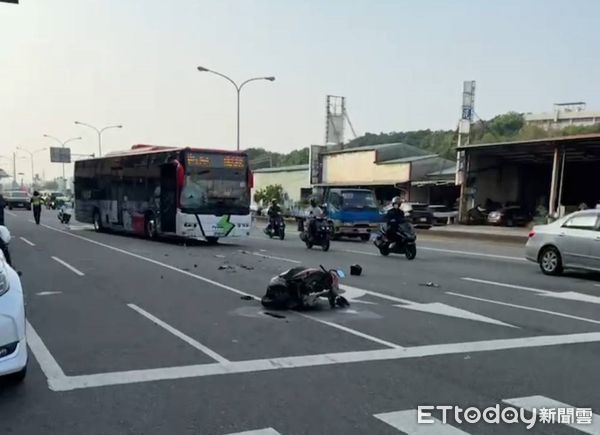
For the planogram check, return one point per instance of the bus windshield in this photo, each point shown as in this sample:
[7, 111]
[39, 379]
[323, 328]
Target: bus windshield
[218, 186]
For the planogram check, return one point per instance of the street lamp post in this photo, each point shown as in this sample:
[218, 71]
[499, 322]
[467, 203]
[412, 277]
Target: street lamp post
[99, 131]
[238, 90]
[62, 144]
[31, 153]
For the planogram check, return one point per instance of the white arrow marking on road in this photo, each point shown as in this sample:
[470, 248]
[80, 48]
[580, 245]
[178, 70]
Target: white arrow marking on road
[531, 402]
[450, 311]
[573, 296]
[47, 293]
[406, 421]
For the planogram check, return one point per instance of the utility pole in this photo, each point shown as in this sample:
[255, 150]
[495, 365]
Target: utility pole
[14, 169]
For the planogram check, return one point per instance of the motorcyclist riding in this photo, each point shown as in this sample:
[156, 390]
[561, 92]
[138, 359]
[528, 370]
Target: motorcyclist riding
[394, 218]
[314, 212]
[273, 212]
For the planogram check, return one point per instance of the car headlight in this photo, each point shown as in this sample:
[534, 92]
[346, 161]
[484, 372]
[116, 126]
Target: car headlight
[4, 283]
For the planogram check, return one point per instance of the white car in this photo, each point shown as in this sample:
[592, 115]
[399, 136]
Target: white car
[13, 344]
[570, 242]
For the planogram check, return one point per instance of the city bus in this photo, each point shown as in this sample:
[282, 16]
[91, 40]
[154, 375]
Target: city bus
[155, 191]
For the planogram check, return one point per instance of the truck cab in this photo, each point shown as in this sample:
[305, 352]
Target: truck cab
[352, 212]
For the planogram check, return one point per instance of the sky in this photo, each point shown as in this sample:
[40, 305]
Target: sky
[400, 65]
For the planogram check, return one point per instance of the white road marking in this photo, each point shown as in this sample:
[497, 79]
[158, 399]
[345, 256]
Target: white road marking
[271, 257]
[137, 376]
[597, 285]
[68, 266]
[447, 251]
[353, 331]
[472, 254]
[523, 307]
[450, 311]
[530, 402]
[267, 431]
[31, 220]
[352, 251]
[27, 241]
[210, 281]
[406, 421]
[573, 296]
[10, 213]
[48, 293]
[189, 340]
[56, 377]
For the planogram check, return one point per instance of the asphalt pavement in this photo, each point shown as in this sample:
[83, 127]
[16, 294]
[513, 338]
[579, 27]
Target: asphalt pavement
[130, 336]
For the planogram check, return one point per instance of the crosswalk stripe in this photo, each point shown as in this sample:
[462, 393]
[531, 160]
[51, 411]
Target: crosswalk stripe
[267, 431]
[530, 402]
[406, 421]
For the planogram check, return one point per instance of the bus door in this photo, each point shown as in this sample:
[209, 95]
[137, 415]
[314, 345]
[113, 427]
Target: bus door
[168, 198]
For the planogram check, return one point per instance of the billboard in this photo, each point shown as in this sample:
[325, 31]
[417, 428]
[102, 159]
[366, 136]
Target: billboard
[60, 155]
[468, 102]
[315, 162]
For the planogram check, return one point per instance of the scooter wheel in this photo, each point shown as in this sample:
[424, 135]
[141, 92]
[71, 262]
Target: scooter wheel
[411, 252]
[325, 245]
[384, 250]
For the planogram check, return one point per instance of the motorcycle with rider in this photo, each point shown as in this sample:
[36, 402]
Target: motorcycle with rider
[316, 229]
[276, 224]
[397, 235]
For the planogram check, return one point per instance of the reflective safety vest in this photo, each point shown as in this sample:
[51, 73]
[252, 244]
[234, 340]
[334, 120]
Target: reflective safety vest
[36, 200]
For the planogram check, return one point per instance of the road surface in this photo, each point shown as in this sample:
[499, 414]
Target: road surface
[130, 336]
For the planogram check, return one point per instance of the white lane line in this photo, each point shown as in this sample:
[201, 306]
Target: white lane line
[353, 331]
[271, 257]
[10, 213]
[597, 285]
[68, 266]
[27, 241]
[406, 421]
[31, 220]
[48, 364]
[189, 340]
[472, 254]
[267, 431]
[523, 307]
[235, 367]
[50, 293]
[537, 402]
[572, 296]
[201, 278]
[352, 251]
[501, 284]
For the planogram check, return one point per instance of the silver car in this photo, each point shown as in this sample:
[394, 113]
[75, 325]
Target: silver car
[570, 242]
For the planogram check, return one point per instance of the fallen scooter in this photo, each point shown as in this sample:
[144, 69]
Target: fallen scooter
[301, 287]
[64, 213]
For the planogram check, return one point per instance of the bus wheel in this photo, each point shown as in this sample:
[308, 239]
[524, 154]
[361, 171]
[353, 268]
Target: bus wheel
[97, 222]
[150, 227]
[212, 240]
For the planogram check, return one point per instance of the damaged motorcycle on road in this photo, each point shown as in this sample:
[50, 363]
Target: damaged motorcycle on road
[301, 288]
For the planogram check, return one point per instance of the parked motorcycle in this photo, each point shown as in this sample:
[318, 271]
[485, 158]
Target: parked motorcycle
[276, 228]
[64, 213]
[321, 234]
[301, 287]
[403, 242]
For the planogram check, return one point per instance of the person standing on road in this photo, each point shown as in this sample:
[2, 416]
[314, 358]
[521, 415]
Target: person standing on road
[36, 203]
[2, 205]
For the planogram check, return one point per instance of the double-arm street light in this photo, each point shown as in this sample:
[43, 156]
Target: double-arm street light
[238, 89]
[31, 153]
[99, 131]
[62, 144]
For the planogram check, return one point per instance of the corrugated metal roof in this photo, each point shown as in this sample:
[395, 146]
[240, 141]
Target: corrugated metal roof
[592, 137]
[408, 159]
[283, 169]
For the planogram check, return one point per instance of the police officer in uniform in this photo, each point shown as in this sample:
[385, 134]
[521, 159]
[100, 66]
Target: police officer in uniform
[36, 204]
